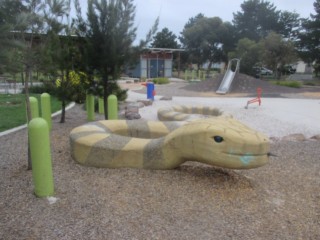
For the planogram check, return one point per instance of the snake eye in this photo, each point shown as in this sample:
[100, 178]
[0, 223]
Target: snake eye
[218, 139]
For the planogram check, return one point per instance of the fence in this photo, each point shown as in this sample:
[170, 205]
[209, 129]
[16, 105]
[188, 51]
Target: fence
[9, 86]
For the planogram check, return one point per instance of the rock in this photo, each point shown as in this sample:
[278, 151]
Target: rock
[132, 115]
[122, 115]
[316, 137]
[165, 98]
[132, 111]
[140, 104]
[132, 108]
[274, 139]
[146, 102]
[297, 137]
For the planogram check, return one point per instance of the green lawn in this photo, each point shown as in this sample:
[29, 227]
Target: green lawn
[13, 109]
[293, 84]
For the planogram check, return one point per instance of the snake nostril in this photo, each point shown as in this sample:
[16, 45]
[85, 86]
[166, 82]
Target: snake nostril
[218, 139]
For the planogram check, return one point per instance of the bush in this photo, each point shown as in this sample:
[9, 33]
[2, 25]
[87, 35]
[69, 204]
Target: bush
[160, 80]
[293, 84]
[120, 93]
[113, 88]
[42, 88]
[310, 84]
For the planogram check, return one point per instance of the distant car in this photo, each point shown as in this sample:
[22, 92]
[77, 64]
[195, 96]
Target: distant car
[263, 71]
[287, 70]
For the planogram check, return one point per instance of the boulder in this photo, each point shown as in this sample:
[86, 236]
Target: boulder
[132, 115]
[296, 137]
[316, 137]
[145, 102]
[166, 98]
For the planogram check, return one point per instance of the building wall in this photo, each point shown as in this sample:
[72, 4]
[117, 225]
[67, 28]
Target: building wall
[155, 67]
[152, 65]
[301, 67]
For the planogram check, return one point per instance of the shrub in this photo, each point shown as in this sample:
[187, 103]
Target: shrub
[46, 87]
[116, 90]
[74, 87]
[293, 84]
[310, 84]
[162, 80]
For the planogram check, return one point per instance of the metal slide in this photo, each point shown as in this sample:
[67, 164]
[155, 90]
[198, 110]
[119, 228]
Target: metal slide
[228, 77]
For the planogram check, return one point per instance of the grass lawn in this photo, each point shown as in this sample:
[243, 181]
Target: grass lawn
[293, 84]
[13, 109]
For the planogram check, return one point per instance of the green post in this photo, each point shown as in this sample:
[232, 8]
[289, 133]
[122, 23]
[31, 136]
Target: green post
[41, 157]
[186, 75]
[199, 74]
[112, 107]
[101, 106]
[34, 107]
[46, 108]
[90, 109]
[192, 75]
[87, 98]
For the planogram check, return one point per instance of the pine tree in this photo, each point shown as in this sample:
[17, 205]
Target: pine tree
[109, 34]
[310, 38]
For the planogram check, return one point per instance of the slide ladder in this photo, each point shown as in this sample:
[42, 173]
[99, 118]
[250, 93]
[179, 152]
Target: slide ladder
[229, 76]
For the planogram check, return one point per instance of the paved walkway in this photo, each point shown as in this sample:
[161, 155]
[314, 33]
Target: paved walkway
[277, 117]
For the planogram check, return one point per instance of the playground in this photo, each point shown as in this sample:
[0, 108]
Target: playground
[194, 201]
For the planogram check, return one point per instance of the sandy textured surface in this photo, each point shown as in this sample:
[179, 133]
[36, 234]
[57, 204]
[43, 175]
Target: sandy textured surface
[278, 201]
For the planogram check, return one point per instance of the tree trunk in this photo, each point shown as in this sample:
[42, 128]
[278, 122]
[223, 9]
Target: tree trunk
[22, 78]
[30, 78]
[63, 111]
[209, 67]
[26, 88]
[64, 80]
[105, 97]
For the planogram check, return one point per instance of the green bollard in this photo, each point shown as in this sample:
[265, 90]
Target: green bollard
[90, 109]
[87, 97]
[46, 108]
[34, 107]
[38, 131]
[101, 106]
[112, 107]
[186, 75]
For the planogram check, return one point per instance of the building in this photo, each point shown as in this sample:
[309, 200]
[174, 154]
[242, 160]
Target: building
[302, 67]
[154, 62]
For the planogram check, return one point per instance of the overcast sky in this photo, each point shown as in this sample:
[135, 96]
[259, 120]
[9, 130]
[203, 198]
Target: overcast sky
[174, 14]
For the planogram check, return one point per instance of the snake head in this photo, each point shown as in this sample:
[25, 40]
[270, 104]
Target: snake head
[223, 142]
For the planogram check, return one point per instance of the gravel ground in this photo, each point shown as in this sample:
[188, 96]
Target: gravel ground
[278, 201]
[242, 86]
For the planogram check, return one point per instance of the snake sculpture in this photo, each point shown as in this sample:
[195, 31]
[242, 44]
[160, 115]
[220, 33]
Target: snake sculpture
[219, 141]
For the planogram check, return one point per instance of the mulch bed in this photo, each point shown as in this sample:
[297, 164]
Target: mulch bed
[278, 201]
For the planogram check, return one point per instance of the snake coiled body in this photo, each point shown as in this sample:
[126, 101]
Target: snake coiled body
[218, 141]
[187, 113]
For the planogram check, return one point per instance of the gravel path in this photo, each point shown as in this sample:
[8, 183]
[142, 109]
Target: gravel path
[242, 86]
[194, 201]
